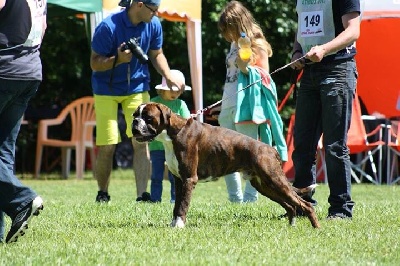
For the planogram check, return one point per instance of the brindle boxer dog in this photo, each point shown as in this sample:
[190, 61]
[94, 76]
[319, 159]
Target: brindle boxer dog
[197, 151]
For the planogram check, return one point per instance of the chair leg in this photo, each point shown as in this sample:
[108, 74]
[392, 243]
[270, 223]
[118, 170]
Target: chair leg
[360, 167]
[374, 170]
[38, 159]
[65, 161]
[362, 173]
[393, 175]
[355, 177]
[80, 160]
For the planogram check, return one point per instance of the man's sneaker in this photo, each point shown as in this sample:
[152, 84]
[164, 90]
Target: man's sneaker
[145, 197]
[21, 220]
[102, 197]
[299, 213]
[337, 216]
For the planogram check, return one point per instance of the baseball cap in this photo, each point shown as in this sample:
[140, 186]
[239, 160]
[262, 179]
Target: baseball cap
[150, 2]
[178, 75]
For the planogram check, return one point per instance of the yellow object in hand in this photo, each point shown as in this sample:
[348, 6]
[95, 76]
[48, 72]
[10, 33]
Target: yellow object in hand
[245, 53]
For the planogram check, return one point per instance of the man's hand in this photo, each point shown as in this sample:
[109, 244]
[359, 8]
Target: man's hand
[175, 85]
[316, 54]
[124, 56]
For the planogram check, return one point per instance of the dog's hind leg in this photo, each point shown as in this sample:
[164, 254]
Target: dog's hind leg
[298, 203]
[282, 193]
[271, 194]
[308, 209]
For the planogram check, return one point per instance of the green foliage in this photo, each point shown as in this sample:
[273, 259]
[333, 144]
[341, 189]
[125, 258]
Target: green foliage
[65, 57]
[74, 230]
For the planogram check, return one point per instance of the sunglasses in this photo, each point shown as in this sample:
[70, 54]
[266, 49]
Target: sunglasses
[152, 10]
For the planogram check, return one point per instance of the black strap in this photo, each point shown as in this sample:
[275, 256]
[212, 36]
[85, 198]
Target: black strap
[293, 81]
[112, 71]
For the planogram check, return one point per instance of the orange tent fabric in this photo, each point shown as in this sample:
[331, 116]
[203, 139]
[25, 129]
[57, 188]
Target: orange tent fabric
[173, 10]
[378, 57]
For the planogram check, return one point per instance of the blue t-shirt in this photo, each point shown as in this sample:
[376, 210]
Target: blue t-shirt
[108, 36]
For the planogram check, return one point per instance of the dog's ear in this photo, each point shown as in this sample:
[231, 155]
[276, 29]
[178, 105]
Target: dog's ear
[136, 113]
[165, 114]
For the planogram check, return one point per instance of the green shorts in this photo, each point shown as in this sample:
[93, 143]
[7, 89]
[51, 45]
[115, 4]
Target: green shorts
[106, 108]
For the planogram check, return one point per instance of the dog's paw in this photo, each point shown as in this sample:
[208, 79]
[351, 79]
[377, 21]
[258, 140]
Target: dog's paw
[293, 222]
[178, 223]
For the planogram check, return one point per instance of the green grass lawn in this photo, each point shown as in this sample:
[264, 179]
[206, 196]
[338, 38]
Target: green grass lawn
[74, 230]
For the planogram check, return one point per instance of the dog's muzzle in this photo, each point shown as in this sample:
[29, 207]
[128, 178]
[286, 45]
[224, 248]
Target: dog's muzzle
[141, 131]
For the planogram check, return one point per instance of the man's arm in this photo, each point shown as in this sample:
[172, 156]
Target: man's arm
[102, 63]
[297, 53]
[44, 24]
[160, 63]
[351, 24]
[2, 4]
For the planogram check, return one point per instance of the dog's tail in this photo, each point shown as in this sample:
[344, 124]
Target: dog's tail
[305, 191]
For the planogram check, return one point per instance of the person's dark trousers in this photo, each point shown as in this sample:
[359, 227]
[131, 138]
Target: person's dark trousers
[157, 175]
[14, 97]
[2, 226]
[324, 106]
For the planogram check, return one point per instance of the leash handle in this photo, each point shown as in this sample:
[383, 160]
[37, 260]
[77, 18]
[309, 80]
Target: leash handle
[289, 64]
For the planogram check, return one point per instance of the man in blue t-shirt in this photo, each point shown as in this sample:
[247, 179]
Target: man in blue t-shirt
[121, 76]
[22, 26]
[326, 35]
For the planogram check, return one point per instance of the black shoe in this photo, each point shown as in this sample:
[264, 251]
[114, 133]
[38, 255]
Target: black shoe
[21, 220]
[299, 213]
[145, 197]
[102, 197]
[337, 216]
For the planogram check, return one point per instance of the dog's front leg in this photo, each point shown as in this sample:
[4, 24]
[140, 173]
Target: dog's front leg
[183, 195]
[178, 199]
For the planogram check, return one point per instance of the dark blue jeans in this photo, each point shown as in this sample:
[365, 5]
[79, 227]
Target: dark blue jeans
[324, 106]
[157, 159]
[14, 97]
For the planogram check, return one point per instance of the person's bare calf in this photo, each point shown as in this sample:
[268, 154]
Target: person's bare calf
[103, 168]
[141, 169]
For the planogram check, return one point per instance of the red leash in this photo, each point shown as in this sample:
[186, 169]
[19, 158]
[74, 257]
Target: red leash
[290, 91]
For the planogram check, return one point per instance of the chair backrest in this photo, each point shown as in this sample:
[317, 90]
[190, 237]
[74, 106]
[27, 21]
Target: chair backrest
[357, 135]
[288, 166]
[80, 111]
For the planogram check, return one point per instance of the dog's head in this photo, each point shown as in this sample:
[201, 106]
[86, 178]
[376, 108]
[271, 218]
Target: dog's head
[149, 120]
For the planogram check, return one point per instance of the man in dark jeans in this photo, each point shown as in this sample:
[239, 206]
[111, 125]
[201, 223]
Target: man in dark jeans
[327, 31]
[22, 26]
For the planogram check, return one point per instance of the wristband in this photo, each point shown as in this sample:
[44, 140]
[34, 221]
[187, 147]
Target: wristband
[296, 51]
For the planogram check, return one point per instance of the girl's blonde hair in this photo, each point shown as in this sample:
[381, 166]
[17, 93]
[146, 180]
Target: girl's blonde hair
[235, 19]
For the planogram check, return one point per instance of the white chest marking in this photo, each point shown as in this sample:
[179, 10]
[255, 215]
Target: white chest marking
[170, 157]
